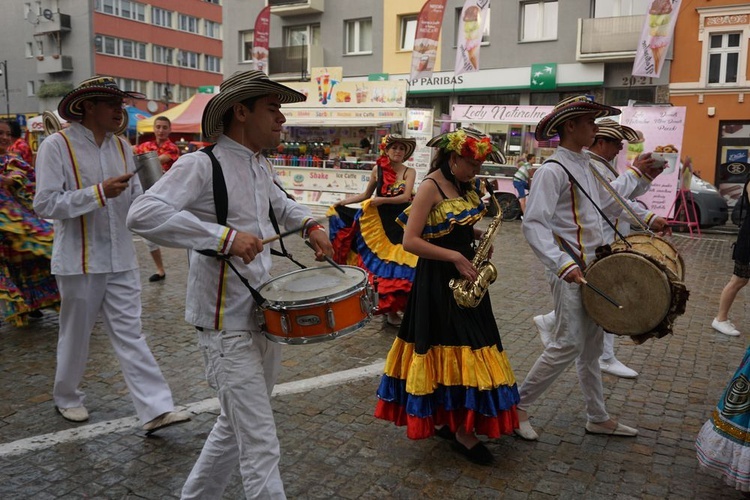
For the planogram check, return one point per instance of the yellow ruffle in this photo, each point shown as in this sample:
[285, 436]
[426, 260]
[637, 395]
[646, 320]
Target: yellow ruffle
[449, 213]
[485, 368]
[374, 235]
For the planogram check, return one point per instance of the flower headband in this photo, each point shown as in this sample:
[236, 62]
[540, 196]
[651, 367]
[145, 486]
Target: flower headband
[465, 145]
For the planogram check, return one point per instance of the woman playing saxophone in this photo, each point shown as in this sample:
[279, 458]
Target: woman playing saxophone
[446, 373]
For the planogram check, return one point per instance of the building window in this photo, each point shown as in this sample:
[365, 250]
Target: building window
[538, 21]
[161, 17]
[212, 63]
[29, 49]
[131, 85]
[187, 23]
[407, 32]
[619, 8]
[723, 58]
[302, 35]
[163, 55]
[39, 47]
[246, 46]
[117, 47]
[460, 23]
[30, 88]
[188, 59]
[122, 8]
[358, 36]
[162, 91]
[187, 92]
[212, 29]
[217, 2]
[623, 96]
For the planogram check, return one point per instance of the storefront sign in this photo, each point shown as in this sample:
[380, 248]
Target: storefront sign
[522, 115]
[419, 126]
[662, 128]
[327, 91]
[336, 115]
[543, 76]
[321, 186]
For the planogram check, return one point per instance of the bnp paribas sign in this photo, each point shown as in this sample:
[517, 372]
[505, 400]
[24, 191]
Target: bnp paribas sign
[543, 76]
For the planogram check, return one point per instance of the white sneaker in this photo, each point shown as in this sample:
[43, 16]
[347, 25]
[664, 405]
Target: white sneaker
[726, 327]
[526, 431]
[544, 333]
[77, 414]
[613, 366]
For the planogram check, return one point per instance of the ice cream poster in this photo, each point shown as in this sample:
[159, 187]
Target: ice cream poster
[471, 26]
[656, 37]
[426, 39]
[661, 128]
[260, 39]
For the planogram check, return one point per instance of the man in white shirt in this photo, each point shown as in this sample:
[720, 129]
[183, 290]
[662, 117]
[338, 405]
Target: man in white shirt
[637, 181]
[180, 211]
[85, 183]
[564, 229]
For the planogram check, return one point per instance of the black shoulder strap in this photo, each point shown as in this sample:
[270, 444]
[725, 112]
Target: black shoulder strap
[221, 200]
[438, 187]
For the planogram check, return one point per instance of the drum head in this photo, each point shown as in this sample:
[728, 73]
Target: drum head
[657, 248]
[312, 285]
[634, 282]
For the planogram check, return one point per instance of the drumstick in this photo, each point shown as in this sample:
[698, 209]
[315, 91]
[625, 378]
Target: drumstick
[327, 258]
[279, 236]
[601, 294]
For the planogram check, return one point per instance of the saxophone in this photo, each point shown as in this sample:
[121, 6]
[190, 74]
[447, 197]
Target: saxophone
[469, 293]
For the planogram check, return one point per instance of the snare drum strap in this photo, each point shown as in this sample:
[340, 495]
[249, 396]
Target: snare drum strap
[578, 185]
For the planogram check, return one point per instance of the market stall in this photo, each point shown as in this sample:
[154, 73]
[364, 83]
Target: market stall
[185, 117]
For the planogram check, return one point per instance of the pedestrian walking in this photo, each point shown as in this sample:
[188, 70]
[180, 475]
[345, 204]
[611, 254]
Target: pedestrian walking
[85, 183]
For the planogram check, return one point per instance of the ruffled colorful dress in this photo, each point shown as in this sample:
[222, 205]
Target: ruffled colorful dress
[370, 238]
[447, 365]
[25, 247]
[723, 444]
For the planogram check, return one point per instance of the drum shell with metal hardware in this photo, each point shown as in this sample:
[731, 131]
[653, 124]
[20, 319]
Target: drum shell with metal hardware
[646, 278]
[315, 305]
[149, 168]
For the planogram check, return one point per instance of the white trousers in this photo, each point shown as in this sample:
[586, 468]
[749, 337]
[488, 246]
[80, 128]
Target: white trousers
[242, 367]
[117, 296]
[608, 352]
[575, 337]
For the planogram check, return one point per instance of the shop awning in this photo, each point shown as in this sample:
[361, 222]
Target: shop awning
[185, 118]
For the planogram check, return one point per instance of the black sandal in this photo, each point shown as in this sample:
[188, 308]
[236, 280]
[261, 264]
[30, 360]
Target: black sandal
[478, 454]
[445, 433]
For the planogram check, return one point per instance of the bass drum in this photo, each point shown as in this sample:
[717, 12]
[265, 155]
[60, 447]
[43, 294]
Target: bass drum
[646, 279]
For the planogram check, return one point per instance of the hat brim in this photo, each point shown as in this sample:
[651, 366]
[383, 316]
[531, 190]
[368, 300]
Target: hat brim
[71, 106]
[211, 122]
[409, 143]
[547, 127]
[630, 134]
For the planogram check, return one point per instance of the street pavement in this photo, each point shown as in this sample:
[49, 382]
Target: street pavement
[331, 445]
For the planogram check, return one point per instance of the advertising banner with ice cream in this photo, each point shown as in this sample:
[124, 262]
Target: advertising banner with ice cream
[661, 128]
[261, 35]
[429, 24]
[656, 37]
[470, 29]
[419, 126]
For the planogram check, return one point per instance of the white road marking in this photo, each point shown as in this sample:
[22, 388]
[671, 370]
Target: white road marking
[86, 432]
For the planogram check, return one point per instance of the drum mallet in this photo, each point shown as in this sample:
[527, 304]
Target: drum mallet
[601, 294]
[279, 236]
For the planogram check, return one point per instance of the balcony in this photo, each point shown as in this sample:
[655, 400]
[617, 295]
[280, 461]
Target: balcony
[55, 24]
[294, 63]
[285, 8]
[610, 39]
[52, 64]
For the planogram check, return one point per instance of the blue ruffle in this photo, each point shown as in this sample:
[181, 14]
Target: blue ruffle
[489, 403]
[382, 268]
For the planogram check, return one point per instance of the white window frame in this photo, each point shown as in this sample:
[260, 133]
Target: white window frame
[162, 55]
[188, 59]
[622, 8]
[406, 33]
[188, 24]
[186, 93]
[357, 25]
[311, 32]
[485, 33]
[132, 85]
[539, 35]
[212, 63]
[159, 94]
[30, 88]
[117, 46]
[161, 17]
[246, 37]
[723, 53]
[704, 36]
[136, 10]
[30, 49]
[212, 29]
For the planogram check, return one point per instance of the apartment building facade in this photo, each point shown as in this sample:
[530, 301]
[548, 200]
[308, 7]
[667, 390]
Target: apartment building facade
[166, 49]
[590, 43]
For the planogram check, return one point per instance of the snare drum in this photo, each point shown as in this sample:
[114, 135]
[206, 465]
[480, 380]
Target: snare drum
[646, 279]
[316, 304]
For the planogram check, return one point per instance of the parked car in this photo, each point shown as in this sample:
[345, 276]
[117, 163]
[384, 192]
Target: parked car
[711, 207]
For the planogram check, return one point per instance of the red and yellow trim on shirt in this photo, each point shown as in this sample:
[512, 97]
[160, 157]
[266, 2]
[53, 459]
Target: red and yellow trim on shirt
[97, 193]
[224, 243]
